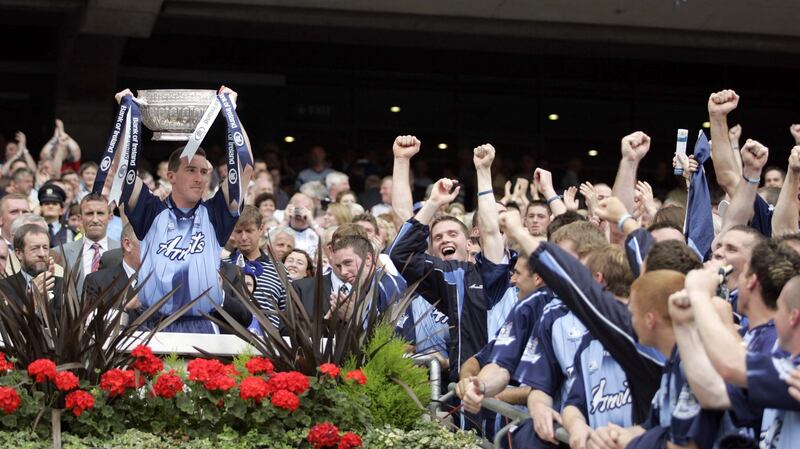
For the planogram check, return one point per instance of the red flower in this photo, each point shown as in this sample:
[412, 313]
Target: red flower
[5, 365]
[323, 435]
[116, 381]
[292, 381]
[149, 365]
[78, 401]
[9, 400]
[330, 369]
[168, 385]
[255, 388]
[212, 374]
[42, 370]
[142, 351]
[349, 441]
[258, 365]
[356, 375]
[285, 400]
[66, 381]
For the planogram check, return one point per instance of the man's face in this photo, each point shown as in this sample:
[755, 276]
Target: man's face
[11, 150]
[131, 253]
[786, 318]
[348, 265]
[536, 220]
[773, 178]
[190, 181]
[282, 245]
[302, 208]
[603, 191]
[88, 175]
[51, 211]
[24, 184]
[246, 238]
[262, 185]
[94, 217]
[386, 191]
[448, 241]
[267, 209]
[35, 254]
[12, 209]
[523, 279]
[744, 292]
[162, 169]
[734, 248]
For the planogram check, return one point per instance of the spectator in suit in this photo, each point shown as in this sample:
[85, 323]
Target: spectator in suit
[84, 255]
[32, 248]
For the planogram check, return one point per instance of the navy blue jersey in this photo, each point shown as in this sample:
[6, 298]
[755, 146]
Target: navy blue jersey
[455, 287]
[637, 246]
[509, 344]
[180, 250]
[600, 389]
[424, 326]
[676, 408]
[762, 216]
[608, 320]
[766, 389]
[550, 367]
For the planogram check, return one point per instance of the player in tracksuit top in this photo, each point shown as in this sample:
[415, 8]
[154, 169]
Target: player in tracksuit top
[181, 236]
[445, 277]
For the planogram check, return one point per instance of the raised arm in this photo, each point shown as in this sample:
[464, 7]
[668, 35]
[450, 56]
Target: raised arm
[706, 384]
[720, 104]
[724, 349]
[491, 240]
[634, 147]
[734, 136]
[443, 193]
[404, 148]
[787, 209]
[740, 211]
[544, 179]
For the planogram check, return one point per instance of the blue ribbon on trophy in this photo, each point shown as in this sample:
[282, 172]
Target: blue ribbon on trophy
[116, 159]
[238, 155]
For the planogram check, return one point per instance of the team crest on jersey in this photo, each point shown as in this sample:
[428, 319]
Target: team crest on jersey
[438, 317]
[602, 402]
[172, 251]
[687, 406]
[530, 354]
[504, 337]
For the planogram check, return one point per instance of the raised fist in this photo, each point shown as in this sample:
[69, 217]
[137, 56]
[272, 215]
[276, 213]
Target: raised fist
[511, 221]
[754, 158]
[611, 210]
[406, 146]
[702, 281]
[794, 160]
[679, 307]
[635, 146]
[795, 130]
[483, 156]
[544, 180]
[735, 133]
[722, 103]
[444, 192]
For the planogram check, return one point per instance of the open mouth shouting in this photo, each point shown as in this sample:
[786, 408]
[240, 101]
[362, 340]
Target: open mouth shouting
[448, 250]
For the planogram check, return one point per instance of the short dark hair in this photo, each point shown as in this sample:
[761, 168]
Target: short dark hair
[359, 244]
[27, 229]
[749, 230]
[777, 169]
[443, 218]
[773, 263]
[672, 255]
[85, 165]
[539, 203]
[562, 220]
[367, 217]
[264, 197]
[664, 225]
[250, 215]
[309, 261]
[175, 158]
[612, 263]
[93, 197]
[674, 215]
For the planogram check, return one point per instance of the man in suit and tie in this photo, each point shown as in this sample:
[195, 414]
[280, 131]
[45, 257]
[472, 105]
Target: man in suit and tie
[83, 256]
[32, 248]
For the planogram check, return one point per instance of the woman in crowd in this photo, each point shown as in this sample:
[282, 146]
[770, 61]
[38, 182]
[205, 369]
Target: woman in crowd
[299, 265]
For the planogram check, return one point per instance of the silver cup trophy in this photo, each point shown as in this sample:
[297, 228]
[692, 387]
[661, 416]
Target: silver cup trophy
[173, 114]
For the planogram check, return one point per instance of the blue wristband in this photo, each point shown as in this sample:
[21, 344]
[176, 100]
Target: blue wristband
[486, 192]
[622, 221]
[755, 182]
[554, 198]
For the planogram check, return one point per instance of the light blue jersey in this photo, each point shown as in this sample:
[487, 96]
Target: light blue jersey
[180, 250]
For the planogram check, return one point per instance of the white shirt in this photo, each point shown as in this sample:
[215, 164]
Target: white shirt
[129, 271]
[307, 240]
[88, 253]
[380, 209]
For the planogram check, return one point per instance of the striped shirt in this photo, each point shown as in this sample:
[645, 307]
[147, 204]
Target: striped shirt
[269, 291]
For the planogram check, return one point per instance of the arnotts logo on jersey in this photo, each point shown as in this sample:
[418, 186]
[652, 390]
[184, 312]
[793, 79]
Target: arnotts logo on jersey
[530, 354]
[171, 250]
[602, 402]
[504, 337]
